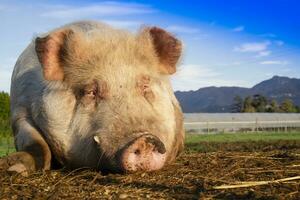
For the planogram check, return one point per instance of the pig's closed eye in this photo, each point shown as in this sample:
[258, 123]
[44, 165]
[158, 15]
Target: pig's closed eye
[89, 96]
[90, 93]
[97, 90]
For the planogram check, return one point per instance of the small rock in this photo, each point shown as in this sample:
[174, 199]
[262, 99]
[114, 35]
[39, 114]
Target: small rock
[123, 196]
[107, 191]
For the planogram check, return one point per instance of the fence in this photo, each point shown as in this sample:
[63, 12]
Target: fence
[244, 122]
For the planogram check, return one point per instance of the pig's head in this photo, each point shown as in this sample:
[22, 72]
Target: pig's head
[108, 97]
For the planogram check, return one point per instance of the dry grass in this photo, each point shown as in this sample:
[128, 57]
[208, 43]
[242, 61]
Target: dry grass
[194, 176]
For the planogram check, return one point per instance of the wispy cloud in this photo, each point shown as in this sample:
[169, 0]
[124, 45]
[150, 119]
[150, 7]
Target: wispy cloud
[274, 62]
[253, 47]
[263, 53]
[238, 29]
[100, 9]
[182, 29]
[192, 76]
[196, 71]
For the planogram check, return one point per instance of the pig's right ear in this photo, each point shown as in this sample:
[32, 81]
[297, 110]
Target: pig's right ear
[167, 48]
[49, 51]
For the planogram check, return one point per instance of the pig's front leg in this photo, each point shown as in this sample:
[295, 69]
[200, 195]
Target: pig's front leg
[33, 152]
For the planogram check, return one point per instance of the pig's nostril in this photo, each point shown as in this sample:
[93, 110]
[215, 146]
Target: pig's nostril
[159, 146]
[137, 152]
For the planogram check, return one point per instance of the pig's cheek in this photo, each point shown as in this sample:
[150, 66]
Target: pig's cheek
[59, 108]
[88, 102]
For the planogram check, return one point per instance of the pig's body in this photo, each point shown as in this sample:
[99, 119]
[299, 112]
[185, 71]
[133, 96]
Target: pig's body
[108, 104]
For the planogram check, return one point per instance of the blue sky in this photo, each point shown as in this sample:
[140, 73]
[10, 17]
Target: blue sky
[226, 43]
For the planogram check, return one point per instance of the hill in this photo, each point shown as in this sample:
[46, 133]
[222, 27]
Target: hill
[220, 99]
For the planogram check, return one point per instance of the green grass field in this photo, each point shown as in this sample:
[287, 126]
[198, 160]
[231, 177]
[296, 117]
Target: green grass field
[241, 137]
[203, 142]
[6, 145]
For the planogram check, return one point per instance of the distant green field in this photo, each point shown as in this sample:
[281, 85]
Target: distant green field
[6, 145]
[249, 142]
[199, 142]
[241, 137]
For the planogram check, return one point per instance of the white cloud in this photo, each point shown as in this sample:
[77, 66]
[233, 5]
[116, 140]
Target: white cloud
[274, 62]
[253, 47]
[182, 29]
[195, 71]
[263, 53]
[100, 9]
[193, 77]
[238, 29]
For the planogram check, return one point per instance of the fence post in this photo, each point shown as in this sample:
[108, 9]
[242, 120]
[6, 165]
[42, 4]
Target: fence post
[207, 126]
[256, 124]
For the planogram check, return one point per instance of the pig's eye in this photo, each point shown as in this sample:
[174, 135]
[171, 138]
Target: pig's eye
[95, 91]
[90, 93]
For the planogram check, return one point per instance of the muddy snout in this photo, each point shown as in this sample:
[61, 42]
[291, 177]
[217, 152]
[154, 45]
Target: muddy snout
[145, 153]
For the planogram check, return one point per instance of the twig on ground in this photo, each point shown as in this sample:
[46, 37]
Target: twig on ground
[255, 183]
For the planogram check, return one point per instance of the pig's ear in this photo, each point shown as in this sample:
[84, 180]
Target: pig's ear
[167, 48]
[49, 51]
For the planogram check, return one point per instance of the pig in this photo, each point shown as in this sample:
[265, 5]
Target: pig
[90, 95]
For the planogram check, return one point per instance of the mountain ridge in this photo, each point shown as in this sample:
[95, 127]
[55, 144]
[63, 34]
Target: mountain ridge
[220, 99]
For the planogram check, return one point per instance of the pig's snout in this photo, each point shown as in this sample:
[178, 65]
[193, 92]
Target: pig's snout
[146, 153]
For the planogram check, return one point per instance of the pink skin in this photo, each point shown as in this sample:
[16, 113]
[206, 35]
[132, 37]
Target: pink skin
[143, 155]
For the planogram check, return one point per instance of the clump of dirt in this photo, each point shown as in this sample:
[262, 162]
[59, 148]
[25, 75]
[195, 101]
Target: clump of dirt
[193, 176]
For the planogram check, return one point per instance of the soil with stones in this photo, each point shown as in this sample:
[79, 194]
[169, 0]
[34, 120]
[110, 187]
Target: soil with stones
[195, 175]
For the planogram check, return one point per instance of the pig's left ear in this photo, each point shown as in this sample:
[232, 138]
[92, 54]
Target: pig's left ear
[49, 50]
[167, 48]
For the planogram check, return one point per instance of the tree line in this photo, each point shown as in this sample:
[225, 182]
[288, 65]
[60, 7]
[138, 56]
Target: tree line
[4, 114]
[259, 103]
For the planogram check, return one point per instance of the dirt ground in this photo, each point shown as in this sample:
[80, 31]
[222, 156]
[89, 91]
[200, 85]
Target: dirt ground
[194, 176]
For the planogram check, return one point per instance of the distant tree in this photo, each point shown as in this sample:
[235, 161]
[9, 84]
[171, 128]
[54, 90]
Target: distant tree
[288, 106]
[273, 107]
[237, 105]
[4, 106]
[4, 114]
[259, 102]
[248, 107]
[297, 109]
